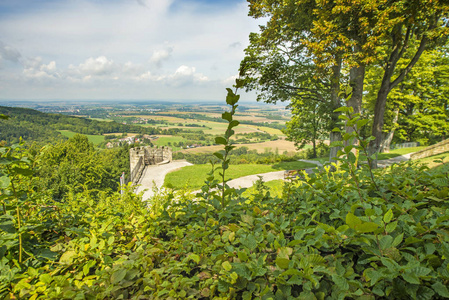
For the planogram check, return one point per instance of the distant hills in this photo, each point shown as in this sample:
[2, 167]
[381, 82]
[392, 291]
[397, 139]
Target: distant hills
[33, 125]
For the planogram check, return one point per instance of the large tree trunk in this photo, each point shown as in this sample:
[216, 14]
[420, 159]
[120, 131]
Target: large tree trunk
[386, 142]
[356, 78]
[335, 102]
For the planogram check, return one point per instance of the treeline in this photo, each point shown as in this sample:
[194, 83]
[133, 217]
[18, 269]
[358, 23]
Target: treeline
[242, 155]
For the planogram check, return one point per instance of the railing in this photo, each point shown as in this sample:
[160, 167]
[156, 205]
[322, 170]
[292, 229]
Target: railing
[438, 148]
[405, 145]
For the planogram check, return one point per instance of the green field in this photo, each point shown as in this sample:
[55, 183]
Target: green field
[192, 177]
[165, 140]
[95, 139]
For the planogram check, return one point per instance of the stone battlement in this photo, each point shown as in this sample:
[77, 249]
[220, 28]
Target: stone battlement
[139, 157]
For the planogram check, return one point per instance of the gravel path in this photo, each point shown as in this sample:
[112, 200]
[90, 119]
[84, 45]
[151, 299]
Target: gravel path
[248, 181]
[155, 175]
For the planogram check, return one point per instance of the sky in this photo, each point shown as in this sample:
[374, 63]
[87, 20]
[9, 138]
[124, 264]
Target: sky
[122, 49]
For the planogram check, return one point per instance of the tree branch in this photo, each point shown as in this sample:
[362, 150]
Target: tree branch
[406, 70]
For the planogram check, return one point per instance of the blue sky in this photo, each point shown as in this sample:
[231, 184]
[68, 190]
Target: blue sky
[121, 49]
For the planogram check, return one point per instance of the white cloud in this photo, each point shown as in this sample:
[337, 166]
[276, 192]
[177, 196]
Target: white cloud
[34, 68]
[230, 80]
[96, 66]
[161, 55]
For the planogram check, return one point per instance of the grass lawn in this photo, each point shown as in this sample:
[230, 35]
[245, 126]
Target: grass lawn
[403, 151]
[192, 177]
[95, 139]
[275, 189]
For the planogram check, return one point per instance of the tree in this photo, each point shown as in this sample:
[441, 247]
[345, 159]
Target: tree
[418, 108]
[310, 121]
[423, 111]
[277, 63]
[354, 35]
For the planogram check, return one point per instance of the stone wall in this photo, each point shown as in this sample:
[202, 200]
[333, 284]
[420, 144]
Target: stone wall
[432, 150]
[140, 157]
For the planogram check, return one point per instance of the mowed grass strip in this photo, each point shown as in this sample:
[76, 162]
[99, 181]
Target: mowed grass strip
[95, 139]
[193, 177]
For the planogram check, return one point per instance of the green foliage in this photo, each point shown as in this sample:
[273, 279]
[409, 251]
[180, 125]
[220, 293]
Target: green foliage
[348, 233]
[75, 165]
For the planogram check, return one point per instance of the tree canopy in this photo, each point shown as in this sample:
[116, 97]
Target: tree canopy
[333, 42]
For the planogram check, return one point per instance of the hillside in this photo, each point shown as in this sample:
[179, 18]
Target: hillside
[33, 125]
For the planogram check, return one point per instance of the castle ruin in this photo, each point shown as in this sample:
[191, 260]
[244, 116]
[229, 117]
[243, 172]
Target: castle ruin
[140, 157]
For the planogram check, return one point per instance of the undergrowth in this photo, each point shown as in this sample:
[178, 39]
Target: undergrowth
[337, 234]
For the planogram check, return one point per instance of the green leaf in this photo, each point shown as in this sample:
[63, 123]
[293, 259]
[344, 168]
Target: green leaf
[342, 109]
[348, 148]
[420, 271]
[351, 157]
[385, 242]
[218, 155]
[391, 227]
[366, 227]
[234, 123]
[118, 276]
[440, 289]
[226, 265]
[232, 98]
[67, 257]
[226, 116]
[242, 256]
[352, 220]
[7, 224]
[239, 83]
[361, 123]
[430, 248]
[397, 240]
[388, 216]
[220, 140]
[46, 278]
[249, 241]
[340, 282]
[282, 263]
[194, 257]
[4, 182]
[411, 278]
